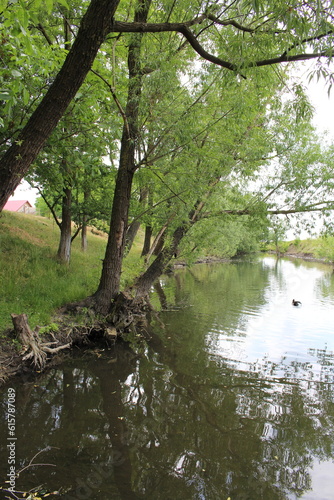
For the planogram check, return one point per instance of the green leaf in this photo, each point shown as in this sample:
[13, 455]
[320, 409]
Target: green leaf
[49, 5]
[64, 3]
[16, 73]
[26, 96]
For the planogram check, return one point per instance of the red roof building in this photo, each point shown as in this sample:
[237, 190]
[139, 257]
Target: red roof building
[22, 206]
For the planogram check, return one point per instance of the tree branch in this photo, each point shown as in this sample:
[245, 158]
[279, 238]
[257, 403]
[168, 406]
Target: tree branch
[51, 207]
[230, 22]
[151, 208]
[184, 29]
[41, 28]
[315, 207]
[113, 93]
[123, 27]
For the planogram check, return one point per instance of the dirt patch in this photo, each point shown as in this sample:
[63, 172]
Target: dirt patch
[12, 352]
[9, 360]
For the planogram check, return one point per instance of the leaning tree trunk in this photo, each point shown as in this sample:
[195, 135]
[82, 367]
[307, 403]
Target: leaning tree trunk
[131, 234]
[112, 264]
[64, 249]
[147, 241]
[158, 266]
[135, 224]
[158, 242]
[15, 163]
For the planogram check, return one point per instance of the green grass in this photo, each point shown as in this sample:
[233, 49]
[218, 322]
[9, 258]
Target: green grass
[33, 281]
[319, 248]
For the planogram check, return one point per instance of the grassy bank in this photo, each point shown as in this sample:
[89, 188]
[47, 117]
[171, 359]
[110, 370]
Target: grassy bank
[32, 281]
[318, 248]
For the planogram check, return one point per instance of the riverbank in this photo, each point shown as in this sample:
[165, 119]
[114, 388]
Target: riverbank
[27, 353]
[314, 250]
[34, 283]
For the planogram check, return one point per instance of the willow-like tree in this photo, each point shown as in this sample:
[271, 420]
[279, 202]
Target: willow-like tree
[243, 66]
[245, 36]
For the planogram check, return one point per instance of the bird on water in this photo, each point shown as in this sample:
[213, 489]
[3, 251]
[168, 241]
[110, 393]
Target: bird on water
[296, 302]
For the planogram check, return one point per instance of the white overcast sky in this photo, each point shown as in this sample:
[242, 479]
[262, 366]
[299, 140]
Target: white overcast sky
[323, 104]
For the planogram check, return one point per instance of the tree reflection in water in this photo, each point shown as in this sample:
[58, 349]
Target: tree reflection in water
[180, 421]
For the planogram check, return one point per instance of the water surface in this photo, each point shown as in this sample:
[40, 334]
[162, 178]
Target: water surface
[233, 398]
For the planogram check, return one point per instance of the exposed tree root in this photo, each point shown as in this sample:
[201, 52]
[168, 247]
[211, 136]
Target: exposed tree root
[129, 314]
[78, 325]
[33, 348]
[125, 314]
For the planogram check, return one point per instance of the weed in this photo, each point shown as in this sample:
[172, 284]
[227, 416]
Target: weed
[52, 327]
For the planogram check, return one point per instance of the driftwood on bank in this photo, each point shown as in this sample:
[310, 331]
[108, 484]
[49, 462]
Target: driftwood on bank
[33, 347]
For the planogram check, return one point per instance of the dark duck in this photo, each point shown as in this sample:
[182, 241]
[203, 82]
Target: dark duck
[296, 302]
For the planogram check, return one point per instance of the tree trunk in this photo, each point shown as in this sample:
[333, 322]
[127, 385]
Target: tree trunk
[135, 225]
[131, 234]
[147, 241]
[158, 266]
[112, 264]
[15, 163]
[158, 242]
[64, 249]
[84, 235]
[148, 229]
[84, 222]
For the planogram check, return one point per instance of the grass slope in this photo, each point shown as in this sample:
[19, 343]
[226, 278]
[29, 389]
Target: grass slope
[32, 281]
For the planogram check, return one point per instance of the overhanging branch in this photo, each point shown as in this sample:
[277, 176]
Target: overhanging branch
[184, 29]
[315, 207]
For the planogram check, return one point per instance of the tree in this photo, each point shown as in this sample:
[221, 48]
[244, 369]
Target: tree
[240, 34]
[256, 28]
[14, 164]
[112, 264]
[290, 174]
[70, 173]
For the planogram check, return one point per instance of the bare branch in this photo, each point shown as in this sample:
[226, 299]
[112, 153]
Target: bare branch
[315, 207]
[51, 207]
[230, 22]
[151, 208]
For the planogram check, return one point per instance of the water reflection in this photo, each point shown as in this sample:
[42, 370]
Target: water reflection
[233, 398]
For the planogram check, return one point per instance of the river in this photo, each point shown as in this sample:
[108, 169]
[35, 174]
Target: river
[232, 398]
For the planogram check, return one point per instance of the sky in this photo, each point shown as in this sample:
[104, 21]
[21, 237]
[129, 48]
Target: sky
[324, 106]
[323, 120]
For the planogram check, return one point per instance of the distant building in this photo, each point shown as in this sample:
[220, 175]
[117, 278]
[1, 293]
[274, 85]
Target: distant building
[22, 206]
